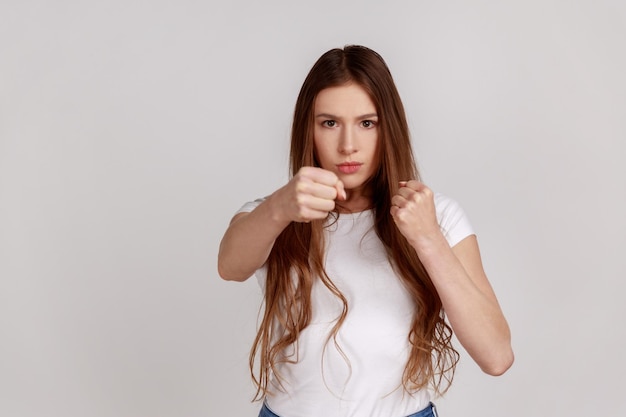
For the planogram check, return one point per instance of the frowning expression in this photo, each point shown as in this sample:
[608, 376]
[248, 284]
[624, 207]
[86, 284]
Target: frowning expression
[346, 134]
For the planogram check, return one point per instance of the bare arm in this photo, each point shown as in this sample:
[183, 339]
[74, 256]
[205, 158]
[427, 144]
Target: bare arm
[248, 241]
[469, 302]
[250, 237]
[458, 275]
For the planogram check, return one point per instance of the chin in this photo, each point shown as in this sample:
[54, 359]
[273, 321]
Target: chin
[352, 185]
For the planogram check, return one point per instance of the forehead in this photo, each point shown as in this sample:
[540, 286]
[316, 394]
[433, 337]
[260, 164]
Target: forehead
[344, 100]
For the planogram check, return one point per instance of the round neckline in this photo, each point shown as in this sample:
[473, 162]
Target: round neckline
[353, 214]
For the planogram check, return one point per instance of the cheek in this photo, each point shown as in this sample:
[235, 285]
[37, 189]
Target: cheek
[322, 143]
[322, 158]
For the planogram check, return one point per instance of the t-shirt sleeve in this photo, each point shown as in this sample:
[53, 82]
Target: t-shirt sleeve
[452, 219]
[251, 205]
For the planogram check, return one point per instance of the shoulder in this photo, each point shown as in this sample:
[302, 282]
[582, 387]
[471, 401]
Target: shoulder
[446, 206]
[452, 219]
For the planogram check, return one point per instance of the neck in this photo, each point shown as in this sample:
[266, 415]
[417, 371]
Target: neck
[357, 201]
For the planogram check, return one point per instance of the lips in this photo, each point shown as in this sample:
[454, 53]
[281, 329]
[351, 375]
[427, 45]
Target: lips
[349, 167]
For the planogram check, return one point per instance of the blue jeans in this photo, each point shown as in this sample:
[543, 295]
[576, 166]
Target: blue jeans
[430, 411]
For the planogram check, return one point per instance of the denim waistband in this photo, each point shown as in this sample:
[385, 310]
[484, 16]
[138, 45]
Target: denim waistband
[429, 411]
[266, 412]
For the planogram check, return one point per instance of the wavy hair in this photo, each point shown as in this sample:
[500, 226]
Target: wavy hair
[296, 259]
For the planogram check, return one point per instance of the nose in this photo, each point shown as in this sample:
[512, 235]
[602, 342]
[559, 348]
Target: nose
[347, 143]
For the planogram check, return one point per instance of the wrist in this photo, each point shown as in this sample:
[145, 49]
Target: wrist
[276, 210]
[428, 245]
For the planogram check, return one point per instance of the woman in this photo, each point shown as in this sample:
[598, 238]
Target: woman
[359, 260]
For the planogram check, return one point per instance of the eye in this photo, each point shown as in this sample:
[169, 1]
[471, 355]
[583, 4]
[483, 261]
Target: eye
[329, 123]
[368, 124]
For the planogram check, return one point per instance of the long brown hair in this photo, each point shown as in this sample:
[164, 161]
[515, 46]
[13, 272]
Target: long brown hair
[296, 259]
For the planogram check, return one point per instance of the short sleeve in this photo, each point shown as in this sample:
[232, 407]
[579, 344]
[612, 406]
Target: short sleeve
[251, 205]
[452, 219]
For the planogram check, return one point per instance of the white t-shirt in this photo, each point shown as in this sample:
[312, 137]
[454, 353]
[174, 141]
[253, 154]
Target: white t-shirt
[361, 375]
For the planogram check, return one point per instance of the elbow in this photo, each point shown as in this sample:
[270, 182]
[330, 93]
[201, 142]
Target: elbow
[229, 274]
[224, 272]
[500, 365]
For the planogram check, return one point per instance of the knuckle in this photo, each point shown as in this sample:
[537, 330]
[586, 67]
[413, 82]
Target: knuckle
[300, 201]
[300, 187]
[301, 214]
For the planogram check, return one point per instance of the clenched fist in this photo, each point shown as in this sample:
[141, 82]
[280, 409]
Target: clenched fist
[413, 210]
[310, 195]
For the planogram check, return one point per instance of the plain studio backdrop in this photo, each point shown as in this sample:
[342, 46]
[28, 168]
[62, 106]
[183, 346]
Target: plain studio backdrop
[131, 131]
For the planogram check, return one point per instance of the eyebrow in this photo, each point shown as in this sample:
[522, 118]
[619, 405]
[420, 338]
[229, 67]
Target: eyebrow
[331, 116]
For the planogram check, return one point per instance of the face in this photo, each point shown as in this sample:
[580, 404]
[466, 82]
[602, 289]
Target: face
[346, 134]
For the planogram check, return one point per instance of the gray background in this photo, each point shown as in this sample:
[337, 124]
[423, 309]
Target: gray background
[131, 131]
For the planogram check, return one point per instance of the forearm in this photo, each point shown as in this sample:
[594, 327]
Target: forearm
[469, 302]
[248, 241]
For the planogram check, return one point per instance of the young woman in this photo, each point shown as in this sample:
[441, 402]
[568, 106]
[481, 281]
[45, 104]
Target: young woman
[366, 271]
